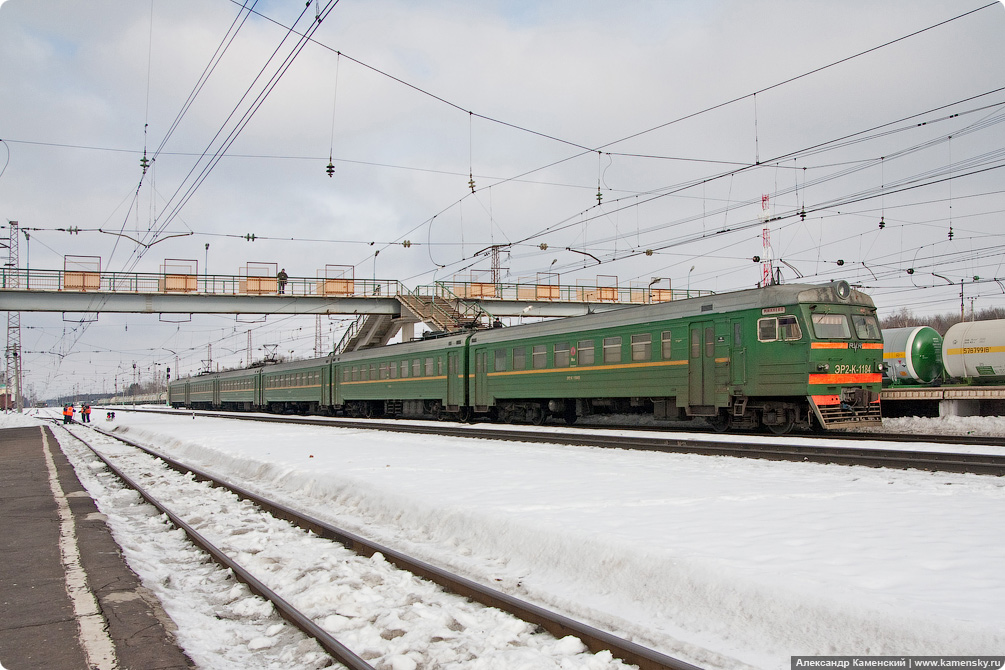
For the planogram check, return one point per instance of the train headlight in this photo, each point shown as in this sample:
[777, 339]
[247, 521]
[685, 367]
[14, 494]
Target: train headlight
[823, 367]
[843, 289]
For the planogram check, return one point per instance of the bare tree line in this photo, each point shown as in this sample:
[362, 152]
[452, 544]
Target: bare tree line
[903, 318]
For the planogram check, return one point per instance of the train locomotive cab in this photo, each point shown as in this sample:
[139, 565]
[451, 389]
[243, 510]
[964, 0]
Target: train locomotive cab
[845, 357]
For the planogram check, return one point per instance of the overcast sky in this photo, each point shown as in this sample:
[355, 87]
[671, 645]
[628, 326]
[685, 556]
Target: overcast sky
[542, 103]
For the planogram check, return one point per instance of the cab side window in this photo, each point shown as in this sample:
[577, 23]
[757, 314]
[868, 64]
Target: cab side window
[767, 329]
[772, 329]
[788, 328]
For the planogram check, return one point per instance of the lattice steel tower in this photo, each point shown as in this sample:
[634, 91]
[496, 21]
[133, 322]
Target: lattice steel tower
[13, 352]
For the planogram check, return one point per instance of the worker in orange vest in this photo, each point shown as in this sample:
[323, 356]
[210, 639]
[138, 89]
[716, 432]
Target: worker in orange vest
[68, 414]
[85, 414]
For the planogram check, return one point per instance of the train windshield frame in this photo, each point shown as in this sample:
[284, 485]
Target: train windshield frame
[831, 326]
[866, 327]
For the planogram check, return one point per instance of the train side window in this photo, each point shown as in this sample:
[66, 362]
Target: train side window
[737, 334]
[355, 373]
[417, 367]
[788, 327]
[642, 347]
[709, 342]
[562, 357]
[539, 357]
[429, 367]
[439, 366]
[519, 358]
[666, 345]
[695, 343]
[612, 349]
[373, 371]
[392, 369]
[831, 326]
[404, 369]
[383, 370]
[585, 354]
[767, 329]
[866, 327]
[500, 362]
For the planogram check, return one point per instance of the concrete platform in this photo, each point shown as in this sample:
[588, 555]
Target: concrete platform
[67, 598]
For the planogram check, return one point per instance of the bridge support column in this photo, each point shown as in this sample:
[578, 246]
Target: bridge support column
[958, 407]
[407, 331]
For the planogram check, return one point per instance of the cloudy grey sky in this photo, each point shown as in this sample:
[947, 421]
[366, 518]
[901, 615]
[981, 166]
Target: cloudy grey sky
[683, 114]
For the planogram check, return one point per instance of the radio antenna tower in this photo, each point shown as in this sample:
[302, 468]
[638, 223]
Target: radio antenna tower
[13, 351]
[767, 274]
[318, 346]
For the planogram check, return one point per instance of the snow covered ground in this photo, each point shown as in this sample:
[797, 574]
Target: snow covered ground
[726, 563]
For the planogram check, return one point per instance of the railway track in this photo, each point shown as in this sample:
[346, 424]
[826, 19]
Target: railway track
[557, 625]
[796, 449]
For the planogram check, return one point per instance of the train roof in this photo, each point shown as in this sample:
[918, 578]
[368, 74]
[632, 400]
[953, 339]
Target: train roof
[720, 303]
[406, 348]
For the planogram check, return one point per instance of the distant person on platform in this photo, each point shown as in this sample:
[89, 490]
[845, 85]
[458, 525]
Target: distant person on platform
[282, 277]
[85, 414]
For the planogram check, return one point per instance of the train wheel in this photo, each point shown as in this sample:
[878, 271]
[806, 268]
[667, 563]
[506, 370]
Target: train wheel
[464, 415]
[783, 428]
[570, 415]
[536, 415]
[721, 422]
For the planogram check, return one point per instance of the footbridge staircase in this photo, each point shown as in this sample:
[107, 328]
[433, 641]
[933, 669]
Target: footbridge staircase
[440, 313]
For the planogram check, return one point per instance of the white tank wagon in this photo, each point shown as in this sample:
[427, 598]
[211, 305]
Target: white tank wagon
[976, 351]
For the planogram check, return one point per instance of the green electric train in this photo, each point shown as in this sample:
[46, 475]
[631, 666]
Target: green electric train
[779, 357]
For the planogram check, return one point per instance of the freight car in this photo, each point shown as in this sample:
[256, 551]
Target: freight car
[779, 357]
[975, 351]
[913, 355]
[972, 352]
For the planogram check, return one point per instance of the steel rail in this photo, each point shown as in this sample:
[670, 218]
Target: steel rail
[982, 464]
[338, 651]
[558, 625]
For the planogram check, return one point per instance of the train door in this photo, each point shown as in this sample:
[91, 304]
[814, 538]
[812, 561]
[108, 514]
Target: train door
[701, 364]
[325, 375]
[338, 398]
[737, 355]
[481, 394]
[455, 382]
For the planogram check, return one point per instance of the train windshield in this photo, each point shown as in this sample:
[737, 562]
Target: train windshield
[831, 327]
[866, 327]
